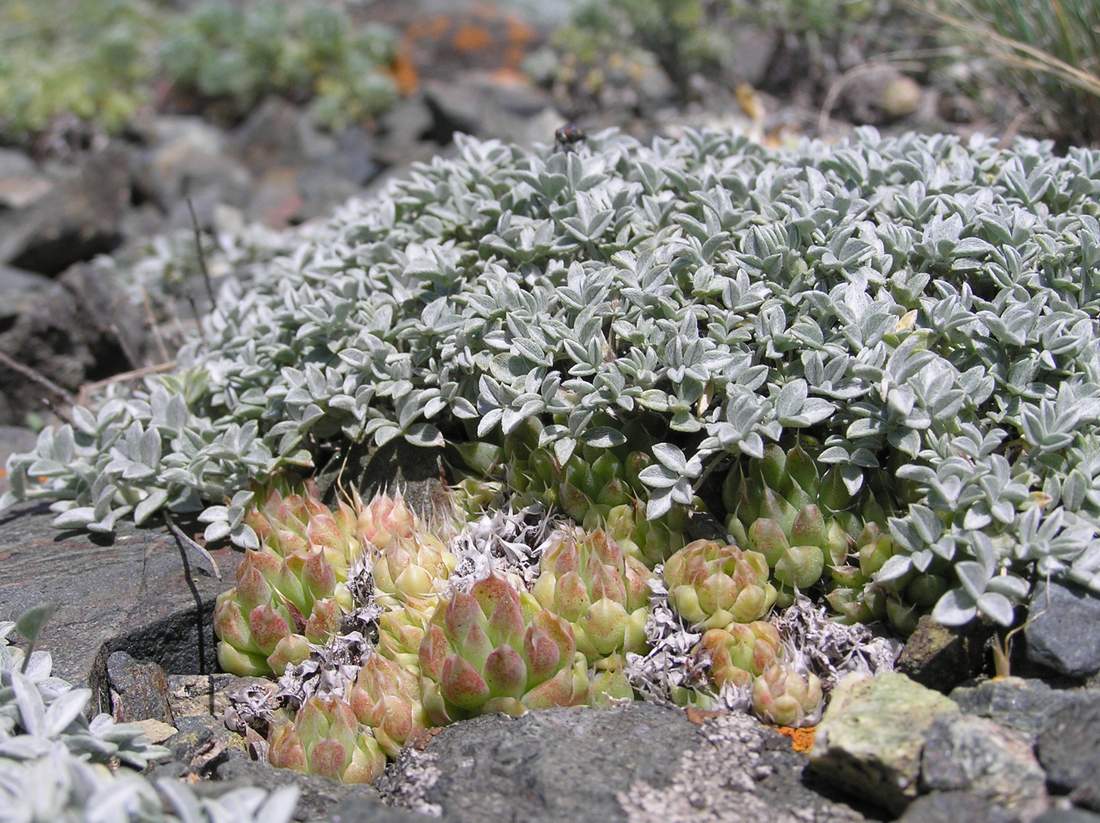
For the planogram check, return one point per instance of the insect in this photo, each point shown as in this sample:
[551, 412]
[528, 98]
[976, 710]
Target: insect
[566, 137]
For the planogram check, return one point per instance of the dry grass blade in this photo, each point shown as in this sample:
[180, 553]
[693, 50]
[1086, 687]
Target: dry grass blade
[1014, 51]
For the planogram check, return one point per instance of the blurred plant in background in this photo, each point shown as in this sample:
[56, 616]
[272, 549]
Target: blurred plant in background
[1054, 48]
[306, 52]
[87, 59]
[98, 62]
[699, 42]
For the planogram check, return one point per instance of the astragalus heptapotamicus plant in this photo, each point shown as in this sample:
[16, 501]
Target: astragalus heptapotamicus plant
[897, 336]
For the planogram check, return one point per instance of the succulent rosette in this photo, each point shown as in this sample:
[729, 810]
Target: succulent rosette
[292, 591]
[409, 560]
[386, 519]
[289, 521]
[651, 541]
[711, 585]
[386, 698]
[495, 650]
[799, 514]
[586, 579]
[409, 565]
[279, 606]
[596, 487]
[860, 597]
[326, 739]
[740, 651]
[786, 697]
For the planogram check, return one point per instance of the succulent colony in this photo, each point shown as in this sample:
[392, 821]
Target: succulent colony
[868, 374]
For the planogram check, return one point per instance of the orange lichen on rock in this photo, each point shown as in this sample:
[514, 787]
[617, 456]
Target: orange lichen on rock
[802, 740]
[404, 74]
[519, 32]
[430, 28]
[701, 716]
[469, 37]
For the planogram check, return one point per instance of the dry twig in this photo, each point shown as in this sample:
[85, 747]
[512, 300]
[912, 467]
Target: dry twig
[201, 255]
[36, 377]
[88, 389]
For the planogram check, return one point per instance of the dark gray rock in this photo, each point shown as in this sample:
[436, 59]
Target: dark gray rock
[955, 807]
[1054, 633]
[200, 746]
[1069, 749]
[81, 329]
[1024, 705]
[133, 594]
[320, 799]
[942, 657]
[523, 765]
[277, 133]
[189, 159]
[1087, 796]
[361, 808]
[14, 163]
[640, 762]
[485, 104]
[976, 756]
[737, 769]
[340, 166]
[205, 695]
[139, 691]
[301, 172]
[17, 290]
[78, 218]
[1068, 816]
[21, 182]
[750, 52]
[404, 128]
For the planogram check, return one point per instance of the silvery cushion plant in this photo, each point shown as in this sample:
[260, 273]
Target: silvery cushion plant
[56, 766]
[920, 306]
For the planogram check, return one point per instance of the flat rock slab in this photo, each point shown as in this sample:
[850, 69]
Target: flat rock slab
[953, 807]
[629, 764]
[552, 765]
[870, 740]
[738, 770]
[132, 593]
